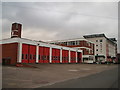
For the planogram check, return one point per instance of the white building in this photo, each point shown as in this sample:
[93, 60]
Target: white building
[105, 48]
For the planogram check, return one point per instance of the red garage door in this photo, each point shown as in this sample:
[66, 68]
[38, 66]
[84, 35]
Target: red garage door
[46, 51]
[57, 55]
[25, 52]
[79, 55]
[40, 57]
[32, 53]
[73, 56]
[65, 56]
[53, 55]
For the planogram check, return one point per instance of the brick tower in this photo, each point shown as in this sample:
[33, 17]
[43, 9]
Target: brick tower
[16, 30]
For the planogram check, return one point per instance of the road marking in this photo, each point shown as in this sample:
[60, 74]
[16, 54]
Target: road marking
[85, 69]
[73, 70]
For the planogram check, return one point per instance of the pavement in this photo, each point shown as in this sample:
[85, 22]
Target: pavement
[105, 79]
[48, 74]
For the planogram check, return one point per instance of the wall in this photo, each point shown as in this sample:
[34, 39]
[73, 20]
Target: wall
[10, 51]
[103, 43]
[111, 49]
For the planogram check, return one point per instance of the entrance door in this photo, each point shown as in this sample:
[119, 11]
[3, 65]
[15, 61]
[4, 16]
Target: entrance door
[6, 61]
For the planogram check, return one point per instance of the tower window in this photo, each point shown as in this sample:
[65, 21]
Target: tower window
[16, 26]
[101, 40]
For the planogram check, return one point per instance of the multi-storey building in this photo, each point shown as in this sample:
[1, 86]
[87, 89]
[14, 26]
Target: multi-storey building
[82, 44]
[105, 48]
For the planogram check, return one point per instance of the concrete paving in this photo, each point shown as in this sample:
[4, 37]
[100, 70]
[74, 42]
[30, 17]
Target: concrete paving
[47, 74]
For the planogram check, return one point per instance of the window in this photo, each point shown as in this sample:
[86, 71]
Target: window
[67, 58]
[87, 44]
[77, 42]
[96, 45]
[65, 43]
[39, 57]
[58, 57]
[26, 56]
[47, 57]
[71, 58]
[34, 56]
[72, 42]
[55, 58]
[96, 40]
[30, 56]
[22, 56]
[63, 58]
[96, 49]
[83, 52]
[17, 26]
[101, 40]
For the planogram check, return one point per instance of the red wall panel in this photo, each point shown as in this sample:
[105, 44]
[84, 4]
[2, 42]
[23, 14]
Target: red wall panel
[9, 51]
[25, 53]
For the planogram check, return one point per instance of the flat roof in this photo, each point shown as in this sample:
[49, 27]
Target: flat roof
[67, 40]
[99, 35]
[34, 42]
[94, 35]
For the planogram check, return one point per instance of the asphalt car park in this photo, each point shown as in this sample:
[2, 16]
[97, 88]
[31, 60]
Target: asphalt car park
[47, 74]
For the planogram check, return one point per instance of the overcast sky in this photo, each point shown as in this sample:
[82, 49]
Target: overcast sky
[60, 20]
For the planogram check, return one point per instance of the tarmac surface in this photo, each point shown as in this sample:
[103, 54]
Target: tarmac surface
[48, 74]
[105, 79]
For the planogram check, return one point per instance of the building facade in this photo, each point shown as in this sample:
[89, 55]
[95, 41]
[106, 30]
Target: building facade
[20, 50]
[105, 48]
[86, 46]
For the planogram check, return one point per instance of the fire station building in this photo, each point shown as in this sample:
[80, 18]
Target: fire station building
[21, 50]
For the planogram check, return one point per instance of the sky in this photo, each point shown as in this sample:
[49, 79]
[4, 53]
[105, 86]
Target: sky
[60, 20]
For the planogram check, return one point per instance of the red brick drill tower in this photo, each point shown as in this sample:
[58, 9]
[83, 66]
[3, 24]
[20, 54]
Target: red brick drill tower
[16, 30]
